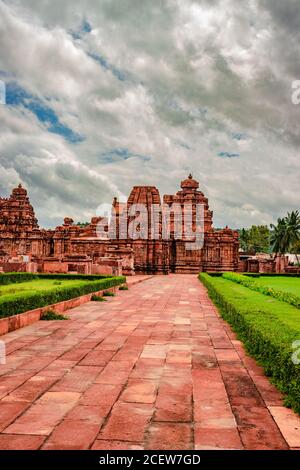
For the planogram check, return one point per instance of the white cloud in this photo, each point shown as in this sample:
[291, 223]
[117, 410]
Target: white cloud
[178, 80]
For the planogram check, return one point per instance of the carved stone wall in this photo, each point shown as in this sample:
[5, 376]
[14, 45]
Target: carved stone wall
[151, 255]
[70, 245]
[19, 230]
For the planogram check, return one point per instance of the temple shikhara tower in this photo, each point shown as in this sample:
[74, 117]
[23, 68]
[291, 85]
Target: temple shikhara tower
[71, 248]
[220, 250]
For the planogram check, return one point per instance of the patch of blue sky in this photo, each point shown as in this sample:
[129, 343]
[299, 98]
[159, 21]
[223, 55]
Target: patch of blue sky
[17, 96]
[121, 154]
[119, 74]
[228, 155]
[84, 29]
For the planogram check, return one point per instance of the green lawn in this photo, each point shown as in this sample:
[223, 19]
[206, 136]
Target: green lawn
[37, 285]
[255, 301]
[286, 284]
[17, 296]
[267, 326]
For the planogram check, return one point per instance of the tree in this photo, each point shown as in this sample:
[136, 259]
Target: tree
[82, 224]
[244, 239]
[259, 239]
[293, 230]
[283, 237]
[296, 250]
[278, 237]
[256, 239]
[286, 234]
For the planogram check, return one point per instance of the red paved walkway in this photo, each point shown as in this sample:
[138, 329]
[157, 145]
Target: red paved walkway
[153, 368]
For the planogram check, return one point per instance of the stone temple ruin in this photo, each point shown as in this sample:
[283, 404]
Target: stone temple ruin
[70, 248]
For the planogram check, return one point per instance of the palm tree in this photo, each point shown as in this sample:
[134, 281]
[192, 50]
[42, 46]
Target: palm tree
[296, 250]
[293, 229]
[286, 233]
[278, 237]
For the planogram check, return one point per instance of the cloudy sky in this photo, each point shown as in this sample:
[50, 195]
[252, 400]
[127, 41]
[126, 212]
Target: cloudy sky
[106, 94]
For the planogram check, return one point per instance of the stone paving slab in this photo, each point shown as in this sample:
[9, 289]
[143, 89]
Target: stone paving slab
[153, 368]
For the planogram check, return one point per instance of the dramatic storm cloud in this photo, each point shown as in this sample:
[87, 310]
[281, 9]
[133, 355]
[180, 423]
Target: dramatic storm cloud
[103, 95]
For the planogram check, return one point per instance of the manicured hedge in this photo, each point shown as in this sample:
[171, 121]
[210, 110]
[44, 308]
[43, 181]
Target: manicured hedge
[271, 274]
[72, 277]
[251, 274]
[17, 303]
[280, 274]
[251, 284]
[13, 278]
[215, 274]
[266, 337]
[218, 274]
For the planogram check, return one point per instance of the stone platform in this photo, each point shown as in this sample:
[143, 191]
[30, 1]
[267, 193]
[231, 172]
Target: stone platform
[152, 368]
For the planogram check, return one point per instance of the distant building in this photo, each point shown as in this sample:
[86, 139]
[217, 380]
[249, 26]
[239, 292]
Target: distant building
[74, 248]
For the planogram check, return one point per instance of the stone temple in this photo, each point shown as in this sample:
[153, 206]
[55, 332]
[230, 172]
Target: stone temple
[72, 248]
